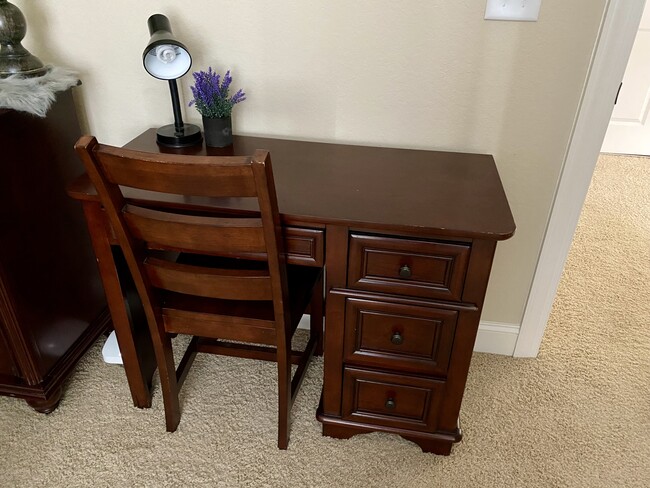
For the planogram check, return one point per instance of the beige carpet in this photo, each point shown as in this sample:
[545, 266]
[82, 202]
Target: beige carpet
[578, 416]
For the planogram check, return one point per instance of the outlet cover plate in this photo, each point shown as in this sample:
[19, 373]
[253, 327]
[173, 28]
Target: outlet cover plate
[518, 10]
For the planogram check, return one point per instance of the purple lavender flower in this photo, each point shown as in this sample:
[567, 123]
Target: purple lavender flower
[211, 94]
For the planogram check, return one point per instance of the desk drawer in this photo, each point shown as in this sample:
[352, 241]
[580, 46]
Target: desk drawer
[304, 246]
[403, 266]
[398, 336]
[407, 402]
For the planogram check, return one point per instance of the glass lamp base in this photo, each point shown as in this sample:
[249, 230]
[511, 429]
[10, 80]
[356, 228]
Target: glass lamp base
[189, 135]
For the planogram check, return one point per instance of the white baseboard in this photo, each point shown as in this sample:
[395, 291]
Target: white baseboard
[496, 338]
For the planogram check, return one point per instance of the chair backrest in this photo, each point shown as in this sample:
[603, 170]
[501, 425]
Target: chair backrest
[143, 231]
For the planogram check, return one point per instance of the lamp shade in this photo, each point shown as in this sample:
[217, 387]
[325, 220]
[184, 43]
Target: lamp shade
[164, 57]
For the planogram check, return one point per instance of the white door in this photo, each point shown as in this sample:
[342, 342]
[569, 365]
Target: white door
[629, 127]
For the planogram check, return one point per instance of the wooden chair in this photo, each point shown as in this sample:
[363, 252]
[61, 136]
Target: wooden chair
[219, 279]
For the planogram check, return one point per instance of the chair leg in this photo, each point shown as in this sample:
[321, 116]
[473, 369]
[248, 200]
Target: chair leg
[316, 316]
[284, 390]
[168, 382]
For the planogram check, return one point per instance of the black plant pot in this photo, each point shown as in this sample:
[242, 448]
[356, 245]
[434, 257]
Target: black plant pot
[217, 132]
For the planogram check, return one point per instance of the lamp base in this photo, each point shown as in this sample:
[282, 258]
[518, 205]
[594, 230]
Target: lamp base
[189, 135]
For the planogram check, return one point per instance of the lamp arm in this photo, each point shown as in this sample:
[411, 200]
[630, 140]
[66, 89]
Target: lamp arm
[176, 105]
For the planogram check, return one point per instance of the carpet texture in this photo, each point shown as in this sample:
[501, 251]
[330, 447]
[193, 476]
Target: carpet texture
[577, 416]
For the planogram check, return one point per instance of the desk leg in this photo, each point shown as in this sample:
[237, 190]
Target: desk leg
[336, 259]
[130, 326]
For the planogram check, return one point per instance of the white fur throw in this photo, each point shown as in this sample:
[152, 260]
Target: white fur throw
[35, 95]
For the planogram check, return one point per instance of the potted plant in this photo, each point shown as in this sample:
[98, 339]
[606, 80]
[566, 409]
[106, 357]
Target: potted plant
[214, 103]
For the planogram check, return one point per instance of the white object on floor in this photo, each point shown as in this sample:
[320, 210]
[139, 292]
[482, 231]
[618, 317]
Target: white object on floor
[111, 351]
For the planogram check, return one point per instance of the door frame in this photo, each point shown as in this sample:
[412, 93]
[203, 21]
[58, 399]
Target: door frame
[618, 29]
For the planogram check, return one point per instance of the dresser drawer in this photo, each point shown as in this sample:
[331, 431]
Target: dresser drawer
[392, 400]
[398, 336]
[403, 266]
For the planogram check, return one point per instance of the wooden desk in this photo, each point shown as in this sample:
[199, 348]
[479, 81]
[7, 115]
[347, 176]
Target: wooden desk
[407, 238]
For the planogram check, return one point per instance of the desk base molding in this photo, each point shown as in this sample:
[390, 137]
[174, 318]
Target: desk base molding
[436, 443]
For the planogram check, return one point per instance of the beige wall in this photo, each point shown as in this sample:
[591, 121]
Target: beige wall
[417, 74]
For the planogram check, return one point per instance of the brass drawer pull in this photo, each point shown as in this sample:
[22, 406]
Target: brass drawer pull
[390, 404]
[397, 339]
[405, 271]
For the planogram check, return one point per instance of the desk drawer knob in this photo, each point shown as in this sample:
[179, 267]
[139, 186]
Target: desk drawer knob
[397, 338]
[390, 404]
[405, 272]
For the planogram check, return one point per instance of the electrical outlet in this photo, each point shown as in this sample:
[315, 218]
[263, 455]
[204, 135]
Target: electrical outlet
[521, 10]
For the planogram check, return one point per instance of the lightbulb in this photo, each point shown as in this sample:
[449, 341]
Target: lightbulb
[167, 61]
[166, 53]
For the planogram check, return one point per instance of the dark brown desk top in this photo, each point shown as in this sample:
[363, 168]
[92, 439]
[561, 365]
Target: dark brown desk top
[427, 192]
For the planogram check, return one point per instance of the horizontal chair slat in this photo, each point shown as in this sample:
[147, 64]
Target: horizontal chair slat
[236, 349]
[219, 326]
[227, 284]
[200, 234]
[157, 172]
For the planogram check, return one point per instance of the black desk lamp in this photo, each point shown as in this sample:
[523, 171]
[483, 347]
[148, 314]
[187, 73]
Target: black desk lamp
[167, 59]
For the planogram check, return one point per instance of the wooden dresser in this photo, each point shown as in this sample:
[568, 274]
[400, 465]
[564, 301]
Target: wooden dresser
[52, 305]
[407, 238]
